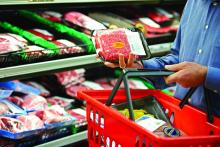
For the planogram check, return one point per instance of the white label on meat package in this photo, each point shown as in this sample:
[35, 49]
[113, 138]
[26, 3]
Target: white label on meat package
[150, 123]
[135, 42]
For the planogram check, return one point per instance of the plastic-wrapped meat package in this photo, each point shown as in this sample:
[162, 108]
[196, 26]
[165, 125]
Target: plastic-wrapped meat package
[83, 21]
[67, 47]
[133, 84]
[112, 42]
[16, 100]
[53, 114]
[33, 50]
[63, 102]
[11, 42]
[80, 116]
[11, 125]
[72, 90]
[72, 76]
[3, 108]
[105, 83]
[31, 122]
[158, 17]
[34, 102]
[43, 91]
[42, 33]
[52, 16]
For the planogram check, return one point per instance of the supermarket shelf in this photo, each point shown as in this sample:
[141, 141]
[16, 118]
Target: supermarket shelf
[28, 2]
[66, 140]
[30, 70]
[47, 67]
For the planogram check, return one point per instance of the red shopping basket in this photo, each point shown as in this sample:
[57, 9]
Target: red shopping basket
[107, 127]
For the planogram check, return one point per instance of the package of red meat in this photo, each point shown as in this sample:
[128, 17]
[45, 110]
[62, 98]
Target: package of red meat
[34, 102]
[54, 117]
[42, 33]
[112, 42]
[80, 116]
[67, 47]
[52, 16]
[9, 109]
[16, 129]
[61, 101]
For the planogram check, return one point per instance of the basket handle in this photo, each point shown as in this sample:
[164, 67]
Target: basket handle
[133, 73]
[210, 115]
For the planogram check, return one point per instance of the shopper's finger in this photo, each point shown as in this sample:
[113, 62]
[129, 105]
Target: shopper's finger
[111, 65]
[130, 60]
[122, 63]
[176, 67]
[172, 78]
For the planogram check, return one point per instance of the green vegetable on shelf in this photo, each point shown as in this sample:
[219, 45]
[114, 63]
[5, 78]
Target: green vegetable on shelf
[137, 113]
[31, 37]
[60, 28]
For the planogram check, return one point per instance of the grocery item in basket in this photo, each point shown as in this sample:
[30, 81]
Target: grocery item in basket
[52, 16]
[42, 33]
[67, 47]
[82, 20]
[11, 42]
[137, 113]
[11, 125]
[112, 42]
[53, 114]
[19, 87]
[34, 102]
[31, 122]
[61, 101]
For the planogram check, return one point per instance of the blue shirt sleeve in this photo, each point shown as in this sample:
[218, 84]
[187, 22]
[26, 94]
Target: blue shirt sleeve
[213, 79]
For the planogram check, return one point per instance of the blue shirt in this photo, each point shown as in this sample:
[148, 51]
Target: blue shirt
[197, 40]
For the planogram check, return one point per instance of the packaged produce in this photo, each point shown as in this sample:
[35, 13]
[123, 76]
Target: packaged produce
[34, 102]
[11, 125]
[67, 47]
[42, 33]
[31, 122]
[82, 20]
[110, 43]
[19, 87]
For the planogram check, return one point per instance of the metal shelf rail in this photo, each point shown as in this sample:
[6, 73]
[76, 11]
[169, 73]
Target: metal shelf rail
[66, 140]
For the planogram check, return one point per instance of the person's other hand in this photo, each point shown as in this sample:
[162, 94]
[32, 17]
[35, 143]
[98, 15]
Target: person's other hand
[188, 74]
[122, 64]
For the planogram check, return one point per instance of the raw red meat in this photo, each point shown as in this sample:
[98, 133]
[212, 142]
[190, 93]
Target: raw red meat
[72, 90]
[42, 33]
[157, 17]
[52, 115]
[52, 16]
[43, 91]
[72, 76]
[31, 122]
[63, 102]
[16, 100]
[34, 102]
[83, 21]
[67, 47]
[11, 125]
[3, 108]
[11, 42]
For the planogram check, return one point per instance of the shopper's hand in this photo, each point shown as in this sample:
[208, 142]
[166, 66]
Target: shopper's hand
[122, 64]
[188, 74]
